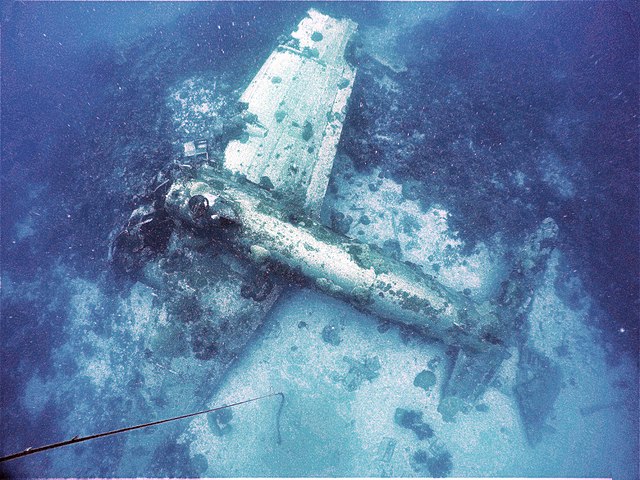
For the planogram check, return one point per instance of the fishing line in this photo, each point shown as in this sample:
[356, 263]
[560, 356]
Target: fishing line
[278, 414]
[77, 439]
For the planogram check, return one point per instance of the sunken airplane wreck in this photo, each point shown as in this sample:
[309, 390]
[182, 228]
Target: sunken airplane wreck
[251, 217]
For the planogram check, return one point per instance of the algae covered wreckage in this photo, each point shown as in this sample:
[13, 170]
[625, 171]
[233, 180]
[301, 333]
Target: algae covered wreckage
[226, 233]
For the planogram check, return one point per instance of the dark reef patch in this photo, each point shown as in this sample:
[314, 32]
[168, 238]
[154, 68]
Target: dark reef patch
[172, 459]
[438, 465]
[412, 420]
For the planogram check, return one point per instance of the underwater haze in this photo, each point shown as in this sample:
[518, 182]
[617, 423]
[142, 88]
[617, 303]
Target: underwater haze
[470, 126]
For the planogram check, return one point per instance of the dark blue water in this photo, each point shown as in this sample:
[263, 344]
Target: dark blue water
[505, 115]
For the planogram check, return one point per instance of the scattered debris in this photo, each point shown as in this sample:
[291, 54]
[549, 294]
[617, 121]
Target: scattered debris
[331, 335]
[386, 448]
[196, 148]
[425, 380]
[412, 420]
[450, 406]
[219, 422]
[436, 461]
[359, 371]
[538, 385]
[598, 407]
[434, 362]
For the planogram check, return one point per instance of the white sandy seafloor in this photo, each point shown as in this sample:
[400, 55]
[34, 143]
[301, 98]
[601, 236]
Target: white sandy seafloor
[327, 429]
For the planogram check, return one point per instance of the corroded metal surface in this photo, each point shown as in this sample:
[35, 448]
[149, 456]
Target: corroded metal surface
[258, 227]
[297, 103]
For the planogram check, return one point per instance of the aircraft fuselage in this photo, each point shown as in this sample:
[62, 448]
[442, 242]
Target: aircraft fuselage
[262, 228]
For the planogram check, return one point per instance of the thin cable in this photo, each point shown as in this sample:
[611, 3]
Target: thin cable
[278, 416]
[77, 439]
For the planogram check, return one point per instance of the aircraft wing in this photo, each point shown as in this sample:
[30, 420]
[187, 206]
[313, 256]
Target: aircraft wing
[298, 100]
